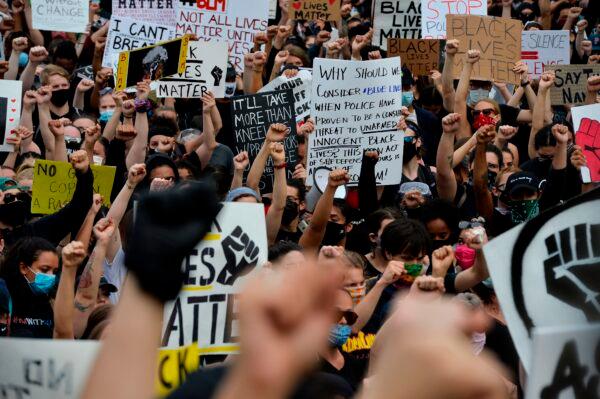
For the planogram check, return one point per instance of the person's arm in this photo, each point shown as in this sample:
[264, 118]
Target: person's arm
[99, 46]
[475, 239]
[445, 179]
[593, 86]
[515, 99]
[507, 9]
[217, 121]
[579, 161]
[574, 13]
[79, 97]
[21, 138]
[448, 92]
[100, 81]
[367, 184]
[561, 134]
[85, 232]
[137, 152]
[280, 60]
[209, 143]
[546, 82]
[258, 66]
[240, 163]
[42, 97]
[36, 55]
[276, 134]
[359, 43]
[72, 256]
[275, 212]
[19, 45]
[503, 90]
[29, 103]
[462, 92]
[36, 36]
[483, 197]
[57, 129]
[464, 150]
[546, 13]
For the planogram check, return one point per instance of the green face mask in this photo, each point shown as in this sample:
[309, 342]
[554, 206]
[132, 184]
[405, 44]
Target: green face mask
[522, 211]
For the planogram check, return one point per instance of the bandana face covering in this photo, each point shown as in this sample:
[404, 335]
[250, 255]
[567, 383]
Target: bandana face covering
[357, 293]
[522, 211]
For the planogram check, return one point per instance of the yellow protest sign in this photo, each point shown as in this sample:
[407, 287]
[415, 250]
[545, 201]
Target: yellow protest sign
[174, 365]
[54, 184]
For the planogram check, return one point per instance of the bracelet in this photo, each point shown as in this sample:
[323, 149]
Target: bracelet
[280, 166]
[142, 105]
[525, 84]
[129, 186]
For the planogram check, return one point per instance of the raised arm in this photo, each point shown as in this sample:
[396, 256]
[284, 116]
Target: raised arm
[111, 126]
[448, 92]
[483, 197]
[19, 45]
[574, 13]
[276, 134]
[474, 238]
[546, 13]
[85, 232]
[79, 97]
[507, 9]
[275, 212]
[42, 97]
[462, 92]
[546, 82]
[209, 142]
[37, 54]
[464, 150]
[29, 102]
[445, 179]
[240, 163]
[258, 65]
[57, 129]
[593, 87]
[137, 153]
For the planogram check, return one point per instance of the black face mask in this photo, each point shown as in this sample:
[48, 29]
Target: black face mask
[60, 97]
[16, 213]
[410, 151]
[290, 212]
[334, 233]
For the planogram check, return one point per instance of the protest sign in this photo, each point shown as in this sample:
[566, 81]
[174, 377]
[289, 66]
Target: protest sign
[86, 72]
[174, 366]
[433, 24]
[252, 116]
[311, 10]
[126, 34]
[419, 56]
[54, 183]
[205, 68]
[153, 62]
[396, 19]
[215, 271]
[272, 9]
[356, 106]
[570, 85]
[155, 11]
[544, 47]
[545, 272]
[60, 15]
[564, 363]
[10, 110]
[233, 21]
[301, 84]
[586, 122]
[497, 39]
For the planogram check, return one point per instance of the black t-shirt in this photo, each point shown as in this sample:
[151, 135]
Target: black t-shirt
[500, 223]
[357, 352]
[537, 166]
[465, 201]
[499, 341]
[293, 236]
[353, 370]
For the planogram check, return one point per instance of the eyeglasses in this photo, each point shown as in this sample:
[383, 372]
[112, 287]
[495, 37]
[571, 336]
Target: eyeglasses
[486, 112]
[19, 197]
[348, 315]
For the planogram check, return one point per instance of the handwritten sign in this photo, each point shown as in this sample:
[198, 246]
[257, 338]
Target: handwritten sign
[497, 39]
[570, 85]
[54, 185]
[60, 15]
[433, 25]
[233, 21]
[356, 106]
[155, 11]
[544, 47]
[205, 68]
[396, 19]
[174, 367]
[311, 10]
[10, 110]
[586, 122]
[419, 56]
[301, 84]
[252, 116]
[215, 271]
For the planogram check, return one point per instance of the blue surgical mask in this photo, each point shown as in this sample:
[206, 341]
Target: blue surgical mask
[23, 59]
[407, 98]
[478, 95]
[339, 334]
[106, 115]
[43, 283]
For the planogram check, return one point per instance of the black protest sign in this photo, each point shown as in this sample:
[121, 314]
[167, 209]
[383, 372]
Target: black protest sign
[570, 85]
[252, 116]
[396, 19]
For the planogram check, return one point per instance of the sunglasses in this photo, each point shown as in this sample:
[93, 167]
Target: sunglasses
[31, 154]
[409, 139]
[20, 197]
[349, 315]
[486, 112]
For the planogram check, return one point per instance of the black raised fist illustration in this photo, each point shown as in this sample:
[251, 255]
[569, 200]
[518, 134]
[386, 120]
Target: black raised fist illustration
[217, 73]
[572, 269]
[241, 254]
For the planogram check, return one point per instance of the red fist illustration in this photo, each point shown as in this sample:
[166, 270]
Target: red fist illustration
[588, 138]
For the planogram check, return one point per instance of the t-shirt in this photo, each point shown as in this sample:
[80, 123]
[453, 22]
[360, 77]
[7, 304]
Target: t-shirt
[292, 236]
[352, 371]
[115, 273]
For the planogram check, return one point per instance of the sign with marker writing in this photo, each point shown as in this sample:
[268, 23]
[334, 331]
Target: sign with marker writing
[356, 106]
[497, 39]
[215, 271]
[54, 184]
[174, 367]
[10, 110]
[205, 68]
[544, 47]
[60, 15]
[396, 19]
[570, 85]
[311, 10]
[419, 56]
[586, 122]
[301, 84]
[156, 11]
[232, 21]
[252, 116]
[433, 25]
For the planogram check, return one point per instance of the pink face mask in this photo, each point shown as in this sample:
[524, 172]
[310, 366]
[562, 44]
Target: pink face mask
[465, 256]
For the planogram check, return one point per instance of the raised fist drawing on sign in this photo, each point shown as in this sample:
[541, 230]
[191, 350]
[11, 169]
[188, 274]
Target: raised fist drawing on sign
[241, 255]
[588, 138]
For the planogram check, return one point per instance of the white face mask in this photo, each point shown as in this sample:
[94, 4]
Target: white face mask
[98, 160]
[230, 88]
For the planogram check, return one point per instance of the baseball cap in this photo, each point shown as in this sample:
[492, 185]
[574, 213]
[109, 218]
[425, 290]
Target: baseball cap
[241, 192]
[107, 285]
[522, 181]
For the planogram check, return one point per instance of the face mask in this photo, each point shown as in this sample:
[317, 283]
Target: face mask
[98, 160]
[407, 98]
[106, 115]
[465, 256]
[357, 293]
[290, 212]
[230, 88]
[23, 60]
[437, 244]
[412, 272]
[526, 18]
[339, 334]
[522, 211]
[334, 233]
[43, 283]
[16, 213]
[477, 95]
[60, 97]
[410, 151]
[73, 144]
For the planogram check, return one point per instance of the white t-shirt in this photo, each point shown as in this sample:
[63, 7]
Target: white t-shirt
[116, 273]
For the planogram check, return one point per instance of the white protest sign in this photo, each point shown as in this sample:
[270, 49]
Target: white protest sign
[564, 363]
[156, 11]
[356, 106]
[126, 34]
[10, 110]
[433, 23]
[205, 311]
[60, 15]
[544, 47]
[301, 84]
[396, 19]
[43, 368]
[546, 271]
[205, 69]
[272, 9]
[233, 21]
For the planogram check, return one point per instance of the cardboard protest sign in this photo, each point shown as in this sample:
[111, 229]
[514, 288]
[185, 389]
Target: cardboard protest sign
[154, 11]
[544, 47]
[205, 68]
[215, 271]
[233, 21]
[301, 84]
[311, 10]
[153, 62]
[62, 15]
[586, 122]
[356, 106]
[564, 362]
[497, 39]
[419, 56]
[546, 272]
[396, 19]
[174, 366]
[433, 24]
[570, 85]
[10, 110]
[252, 116]
[126, 34]
[54, 184]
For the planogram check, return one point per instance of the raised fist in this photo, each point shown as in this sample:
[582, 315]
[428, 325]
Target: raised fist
[277, 132]
[217, 74]
[80, 161]
[241, 255]
[451, 123]
[588, 138]
[73, 254]
[338, 177]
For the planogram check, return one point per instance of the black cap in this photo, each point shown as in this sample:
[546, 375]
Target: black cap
[107, 286]
[522, 180]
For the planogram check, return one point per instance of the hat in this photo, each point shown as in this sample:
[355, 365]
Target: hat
[415, 186]
[241, 192]
[108, 286]
[6, 183]
[522, 180]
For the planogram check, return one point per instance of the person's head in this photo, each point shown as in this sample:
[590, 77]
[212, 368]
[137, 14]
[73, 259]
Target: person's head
[187, 170]
[499, 189]
[24, 177]
[167, 113]
[98, 320]
[527, 12]
[160, 166]
[104, 290]
[354, 277]
[440, 218]
[106, 105]
[522, 191]
[405, 240]
[285, 254]
[431, 99]
[243, 194]
[494, 159]
[161, 135]
[15, 209]
[508, 158]
[377, 222]
[408, 87]
[58, 79]
[340, 223]
[413, 146]
[65, 56]
[545, 143]
[7, 171]
[478, 321]
[295, 201]
[297, 56]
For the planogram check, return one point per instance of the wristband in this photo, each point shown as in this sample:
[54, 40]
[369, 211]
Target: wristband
[129, 186]
[280, 166]
[142, 105]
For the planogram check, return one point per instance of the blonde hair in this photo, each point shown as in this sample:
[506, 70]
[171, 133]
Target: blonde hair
[51, 70]
[493, 103]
